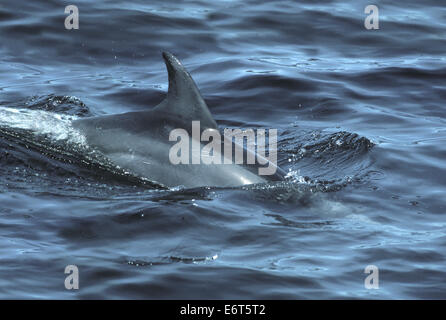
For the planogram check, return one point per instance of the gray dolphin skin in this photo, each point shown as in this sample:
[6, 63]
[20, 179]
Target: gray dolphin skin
[139, 141]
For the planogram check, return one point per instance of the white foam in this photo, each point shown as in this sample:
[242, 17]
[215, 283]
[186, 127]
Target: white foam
[39, 122]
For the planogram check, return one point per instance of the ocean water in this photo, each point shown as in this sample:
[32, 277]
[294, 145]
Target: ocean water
[361, 119]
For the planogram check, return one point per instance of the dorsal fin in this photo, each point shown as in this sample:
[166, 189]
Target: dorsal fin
[183, 96]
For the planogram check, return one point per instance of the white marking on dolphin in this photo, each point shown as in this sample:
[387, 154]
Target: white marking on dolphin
[138, 142]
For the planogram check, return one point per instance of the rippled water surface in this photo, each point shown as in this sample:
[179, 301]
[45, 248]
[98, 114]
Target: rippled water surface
[361, 119]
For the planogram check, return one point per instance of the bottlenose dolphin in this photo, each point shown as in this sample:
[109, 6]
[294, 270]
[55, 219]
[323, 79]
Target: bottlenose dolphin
[139, 141]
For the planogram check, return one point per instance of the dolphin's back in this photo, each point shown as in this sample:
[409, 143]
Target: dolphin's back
[139, 141]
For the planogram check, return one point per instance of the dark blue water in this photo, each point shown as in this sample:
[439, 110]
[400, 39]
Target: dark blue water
[361, 116]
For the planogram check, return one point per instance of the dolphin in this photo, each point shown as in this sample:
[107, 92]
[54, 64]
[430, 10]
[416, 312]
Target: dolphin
[139, 141]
